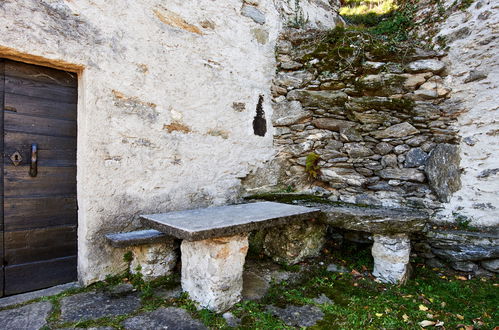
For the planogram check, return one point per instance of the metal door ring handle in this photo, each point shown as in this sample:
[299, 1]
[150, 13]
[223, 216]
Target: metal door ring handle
[33, 167]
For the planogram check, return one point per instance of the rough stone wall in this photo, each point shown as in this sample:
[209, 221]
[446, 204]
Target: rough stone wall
[314, 110]
[167, 98]
[472, 39]
[375, 134]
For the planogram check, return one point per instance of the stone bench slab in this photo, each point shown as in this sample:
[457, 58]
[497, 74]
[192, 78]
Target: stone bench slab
[374, 220]
[200, 224]
[139, 237]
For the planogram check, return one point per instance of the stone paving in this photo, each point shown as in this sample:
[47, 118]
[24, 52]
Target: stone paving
[32, 316]
[122, 303]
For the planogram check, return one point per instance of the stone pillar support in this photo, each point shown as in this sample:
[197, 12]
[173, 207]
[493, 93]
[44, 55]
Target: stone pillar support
[212, 270]
[391, 258]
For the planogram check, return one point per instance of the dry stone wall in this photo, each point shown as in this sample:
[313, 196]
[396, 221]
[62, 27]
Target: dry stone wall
[375, 134]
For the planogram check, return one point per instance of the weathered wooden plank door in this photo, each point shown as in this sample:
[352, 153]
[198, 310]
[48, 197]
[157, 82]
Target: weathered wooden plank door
[39, 206]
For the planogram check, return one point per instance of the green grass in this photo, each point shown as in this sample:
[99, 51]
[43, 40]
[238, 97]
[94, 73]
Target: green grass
[360, 302]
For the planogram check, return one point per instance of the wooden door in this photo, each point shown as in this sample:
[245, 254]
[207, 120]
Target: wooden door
[39, 225]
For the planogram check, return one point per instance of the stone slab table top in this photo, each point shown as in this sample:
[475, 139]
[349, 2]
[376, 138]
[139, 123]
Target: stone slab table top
[204, 223]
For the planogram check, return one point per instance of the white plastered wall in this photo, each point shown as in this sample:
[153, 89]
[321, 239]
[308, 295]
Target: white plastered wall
[473, 62]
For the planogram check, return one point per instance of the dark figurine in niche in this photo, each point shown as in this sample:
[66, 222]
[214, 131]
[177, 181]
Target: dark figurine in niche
[259, 122]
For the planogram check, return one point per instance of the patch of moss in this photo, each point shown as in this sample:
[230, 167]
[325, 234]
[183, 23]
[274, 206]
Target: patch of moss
[463, 4]
[296, 198]
[290, 198]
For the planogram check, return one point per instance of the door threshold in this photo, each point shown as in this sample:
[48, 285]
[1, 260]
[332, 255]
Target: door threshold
[24, 297]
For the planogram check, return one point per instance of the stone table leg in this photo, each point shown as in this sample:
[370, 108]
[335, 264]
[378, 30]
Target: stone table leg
[391, 258]
[212, 270]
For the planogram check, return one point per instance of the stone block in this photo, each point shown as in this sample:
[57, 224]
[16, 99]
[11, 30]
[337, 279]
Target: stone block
[463, 245]
[383, 148]
[320, 99]
[405, 174]
[413, 81]
[293, 243]
[332, 124]
[415, 157]
[154, 260]
[396, 131]
[391, 258]
[431, 65]
[492, 265]
[293, 79]
[356, 150]
[288, 113]
[212, 270]
[443, 170]
[464, 266]
[345, 176]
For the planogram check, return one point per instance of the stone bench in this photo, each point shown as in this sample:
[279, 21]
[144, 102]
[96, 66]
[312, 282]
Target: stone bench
[390, 228]
[153, 252]
[215, 242]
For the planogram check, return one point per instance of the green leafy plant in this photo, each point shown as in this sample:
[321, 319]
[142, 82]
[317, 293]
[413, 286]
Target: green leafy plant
[312, 165]
[128, 257]
[462, 222]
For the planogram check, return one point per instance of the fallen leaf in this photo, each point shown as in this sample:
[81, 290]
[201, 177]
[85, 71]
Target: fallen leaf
[405, 318]
[459, 316]
[469, 327]
[355, 273]
[379, 314]
[423, 308]
[461, 278]
[443, 304]
[478, 321]
[426, 323]
[430, 316]
[439, 324]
